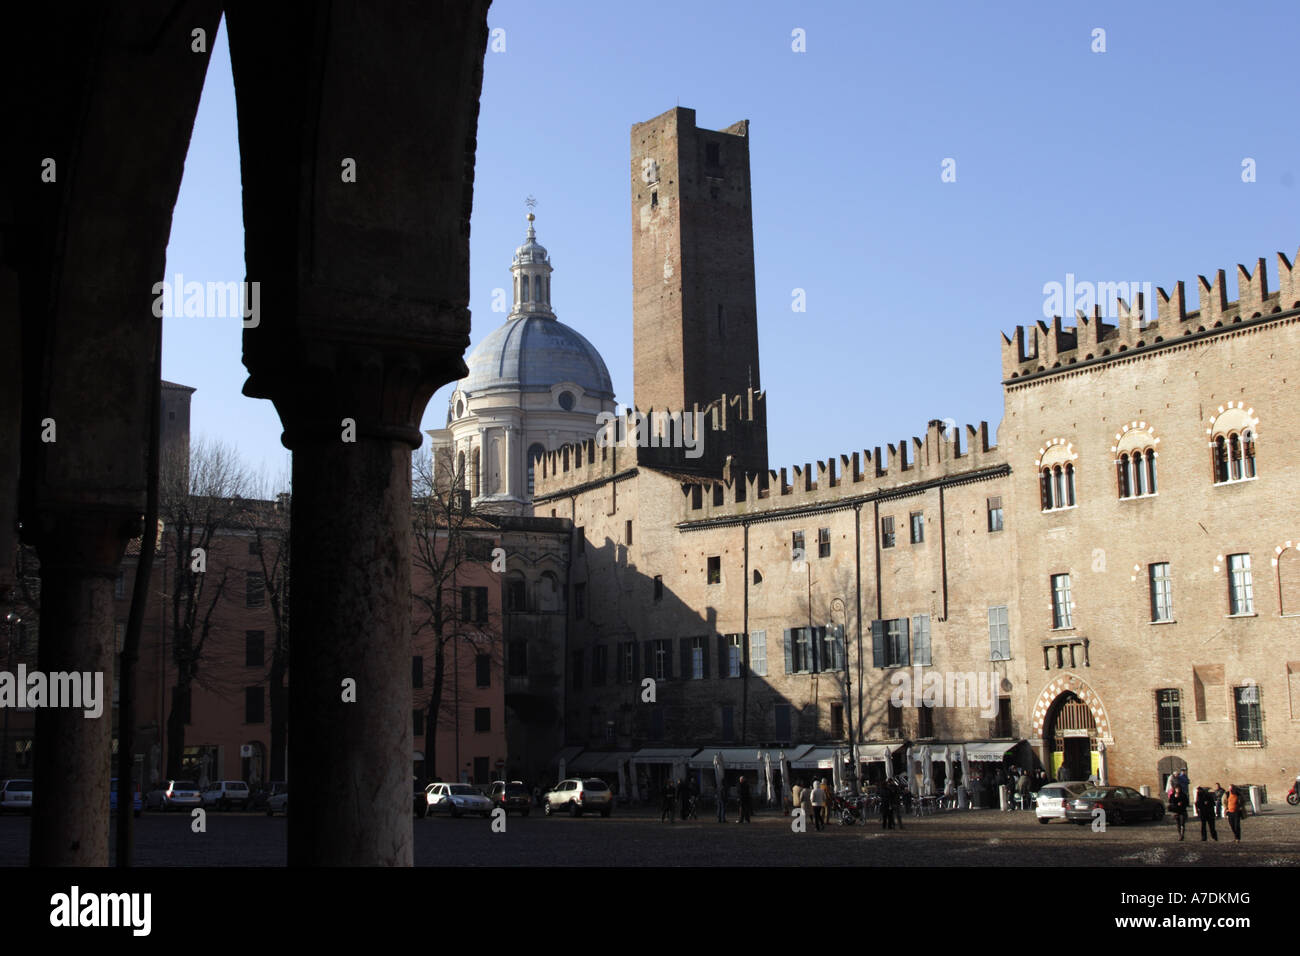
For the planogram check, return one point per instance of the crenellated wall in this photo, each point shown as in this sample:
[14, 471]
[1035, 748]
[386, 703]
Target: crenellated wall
[1042, 346]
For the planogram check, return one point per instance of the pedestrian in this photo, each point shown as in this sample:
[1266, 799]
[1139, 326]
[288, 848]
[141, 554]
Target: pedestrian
[666, 809]
[683, 797]
[1205, 810]
[1218, 799]
[1236, 806]
[722, 803]
[796, 795]
[886, 794]
[1181, 779]
[742, 791]
[819, 804]
[1178, 807]
[1022, 788]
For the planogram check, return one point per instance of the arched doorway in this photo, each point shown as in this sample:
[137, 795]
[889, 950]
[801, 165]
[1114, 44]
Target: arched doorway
[1071, 732]
[1167, 767]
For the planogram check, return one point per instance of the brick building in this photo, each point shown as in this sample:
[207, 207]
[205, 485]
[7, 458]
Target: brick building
[1114, 584]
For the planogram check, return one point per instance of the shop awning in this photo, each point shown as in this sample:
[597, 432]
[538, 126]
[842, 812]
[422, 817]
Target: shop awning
[986, 752]
[874, 753]
[664, 754]
[599, 761]
[747, 758]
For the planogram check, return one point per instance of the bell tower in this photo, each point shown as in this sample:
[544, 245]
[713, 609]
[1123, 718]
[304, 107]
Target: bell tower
[694, 315]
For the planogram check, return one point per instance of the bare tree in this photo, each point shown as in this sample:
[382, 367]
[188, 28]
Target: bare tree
[450, 536]
[269, 524]
[200, 498]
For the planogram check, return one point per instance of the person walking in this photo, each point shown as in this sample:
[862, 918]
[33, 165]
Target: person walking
[1219, 794]
[742, 791]
[1205, 810]
[666, 809]
[819, 804]
[722, 803]
[1178, 807]
[796, 796]
[902, 800]
[1236, 806]
[886, 795]
[683, 797]
[1022, 788]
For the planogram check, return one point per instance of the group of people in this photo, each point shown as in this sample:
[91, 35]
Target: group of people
[1209, 805]
[680, 796]
[815, 801]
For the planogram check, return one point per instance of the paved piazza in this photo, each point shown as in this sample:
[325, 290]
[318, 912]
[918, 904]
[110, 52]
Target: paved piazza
[637, 838]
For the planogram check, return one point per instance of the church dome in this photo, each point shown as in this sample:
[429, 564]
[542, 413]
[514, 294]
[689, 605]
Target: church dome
[534, 353]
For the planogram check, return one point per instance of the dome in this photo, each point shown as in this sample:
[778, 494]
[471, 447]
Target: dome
[534, 353]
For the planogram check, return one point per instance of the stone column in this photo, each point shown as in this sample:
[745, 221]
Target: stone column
[80, 552]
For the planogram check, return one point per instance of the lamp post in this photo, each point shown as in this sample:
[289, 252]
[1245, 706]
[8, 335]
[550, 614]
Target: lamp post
[12, 620]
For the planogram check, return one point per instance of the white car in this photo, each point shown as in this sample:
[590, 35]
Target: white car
[577, 796]
[1053, 798]
[224, 794]
[455, 799]
[182, 794]
[16, 795]
[278, 801]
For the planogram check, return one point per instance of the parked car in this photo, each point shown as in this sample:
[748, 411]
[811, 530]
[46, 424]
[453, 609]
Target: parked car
[112, 798]
[1121, 804]
[1052, 798]
[264, 793]
[16, 795]
[178, 794]
[511, 796]
[578, 796]
[455, 799]
[278, 801]
[225, 794]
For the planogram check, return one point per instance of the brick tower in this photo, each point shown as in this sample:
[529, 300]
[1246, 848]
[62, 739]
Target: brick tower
[694, 317]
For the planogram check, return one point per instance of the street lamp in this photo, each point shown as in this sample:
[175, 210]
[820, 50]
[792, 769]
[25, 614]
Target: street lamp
[12, 620]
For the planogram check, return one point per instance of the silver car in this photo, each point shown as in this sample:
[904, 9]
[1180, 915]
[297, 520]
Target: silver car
[16, 795]
[181, 794]
[455, 799]
[1054, 797]
[577, 796]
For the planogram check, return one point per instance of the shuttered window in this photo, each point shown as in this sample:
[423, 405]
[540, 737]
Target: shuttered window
[921, 639]
[758, 653]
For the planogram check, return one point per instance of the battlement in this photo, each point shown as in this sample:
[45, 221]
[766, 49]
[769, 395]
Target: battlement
[942, 453]
[658, 438]
[1042, 347]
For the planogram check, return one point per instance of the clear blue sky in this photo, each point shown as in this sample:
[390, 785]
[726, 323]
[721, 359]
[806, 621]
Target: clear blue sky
[1117, 166]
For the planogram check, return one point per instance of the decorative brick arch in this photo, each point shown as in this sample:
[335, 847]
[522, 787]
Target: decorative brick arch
[1079, 687]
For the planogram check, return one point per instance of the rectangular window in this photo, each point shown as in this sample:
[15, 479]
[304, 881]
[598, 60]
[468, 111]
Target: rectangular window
[999, 634]
[1002, 724]
[579, 601]
[799, 651]
[1061, 604]
[254, 589]
[711, 154]
[887, 532]
[482, 719]
[895, 721]
[662, 660]
[254, 709]
[627, 662]
[483, 670]
[995, 513]
[657, 723]
[659, 587]
[728, 723]
[697, 657]
[254, 547]
[890, 643]
[517, 658]
[417, 723]
[832, 654]
[823, 542]
[715, 570]
[781, 713]
[1169, 705]
[837, 721]
[924, 722]
[473, 604]
[575, 669]
[627, 534]
[516, 596]
[758, 653]
[1249, 725]
[417, 671]
[917, 521]
[1162, 601]
[478, 549]
[254, 648]
[1241, 591]
[599, 665]
[797, 552]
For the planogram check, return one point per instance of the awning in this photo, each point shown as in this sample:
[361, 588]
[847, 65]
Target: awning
[986, 752]
[598, 761]
[567, 754]
[746, 758]
[873, 753]
[819, 758]
[664, 754]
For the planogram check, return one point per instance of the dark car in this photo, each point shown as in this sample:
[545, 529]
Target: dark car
[511, 796]
[1121, 805]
